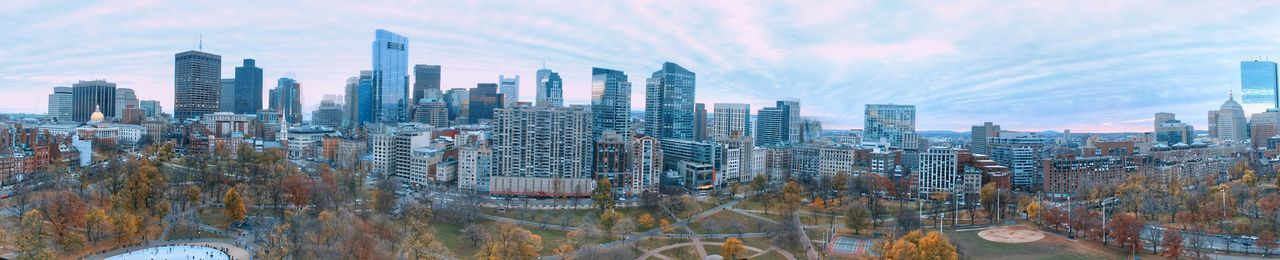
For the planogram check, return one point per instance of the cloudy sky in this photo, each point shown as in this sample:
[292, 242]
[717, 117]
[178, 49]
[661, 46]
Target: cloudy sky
[1028, 65]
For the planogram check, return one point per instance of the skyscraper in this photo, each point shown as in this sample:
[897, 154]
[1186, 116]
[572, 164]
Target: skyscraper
[510, 90]
[328, 114]
[457, 99]
[889, 122]
[351, 104]
[610, 102]
[1171, 131]
[731, 120]
[151, 108]
[1228, 124]
[700, 122]
[125, 98]
[795, 125]
[483, 100]
[978, 137]
[196, 84]
[287, 99]
[390, 77]
[1258, 83]
[426, 82]
[669, 99]
[550, 89]
[542, 151]
[60, 103]
[770, 127]
[248, 90]
[1021, 153]
[227, 101]
[88, 96]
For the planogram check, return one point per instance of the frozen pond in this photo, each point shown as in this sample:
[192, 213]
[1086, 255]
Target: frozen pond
[173, 253]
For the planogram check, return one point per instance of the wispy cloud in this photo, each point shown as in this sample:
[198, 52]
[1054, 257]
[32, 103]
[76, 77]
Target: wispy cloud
[1085, 65]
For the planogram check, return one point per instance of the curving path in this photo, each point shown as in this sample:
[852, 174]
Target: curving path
[657, 252]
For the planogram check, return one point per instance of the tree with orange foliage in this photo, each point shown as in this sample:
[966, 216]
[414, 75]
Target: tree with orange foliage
[733, 249]
[1126, 229]
[297, 189]
[67, 211]
[1172, 243]
[917, 245]
[1267, 241]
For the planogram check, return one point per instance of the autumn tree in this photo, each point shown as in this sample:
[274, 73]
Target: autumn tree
[666, 225]
[608, 219]
[143, 190]
[297, 189]
[420, 242]
[987, 196]
[791, 196]
[646, 221]
[127, 226]
[233, 206]
[1267, 241]
[733, 249]
[1033, 210]
[1172, 243]
[917, 245]
[603, 194]
[1126, 229]
[67, 211]
[278, 246]
[857, 218]
[31, 244]
[192, 195]
[758, 184]
[508, 241]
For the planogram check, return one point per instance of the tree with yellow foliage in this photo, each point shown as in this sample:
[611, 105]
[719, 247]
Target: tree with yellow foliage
[1033, 209]
[233, 206]
[666, 225]
[917, 245]
[508, 241]
[646, 221]
[733, 249]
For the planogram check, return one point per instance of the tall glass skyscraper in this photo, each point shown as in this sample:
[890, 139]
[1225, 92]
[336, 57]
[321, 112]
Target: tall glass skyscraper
[197, 78]
[610, 102]
[426, 82]
[1258, 83]
[390, 77]
[669, 103]
[248, 90]
[550, 89]
[88, 96]
[287, 98]
[510, 90]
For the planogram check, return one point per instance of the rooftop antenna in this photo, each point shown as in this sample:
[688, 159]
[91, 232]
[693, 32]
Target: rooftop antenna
[201, 46]
[544, 64]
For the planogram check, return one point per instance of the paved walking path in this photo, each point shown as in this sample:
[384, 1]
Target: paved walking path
[657, 252]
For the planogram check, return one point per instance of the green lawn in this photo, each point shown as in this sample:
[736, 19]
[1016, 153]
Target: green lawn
[723, 222]
[451, 236]
[971, 246]
[213, 216]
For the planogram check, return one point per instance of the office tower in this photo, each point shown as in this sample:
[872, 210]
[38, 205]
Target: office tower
[227, 102]
[737, 152]
[669, 99]
[731, 119]
[426, 82]
[351, 104]
[60, 103]
[1170, 131]
[646, 164]
[248, 89]
[610, 160]
[610, 102]
[795, 125]
[700, 122]
[433, 113]
[1263, 126]
[890, 123]
[125, 98]
[812, 129]
[1228, 124]
[978, 137]
[542, 151]
[287, 98]
[770, 127]
[1021, 153]
[457, 99]
[328, 114]
[510, 90]
[390, 81]
[90, 96]
[1258, 83]
[937, 172]
[151, 108]
[197, 80]
[482, 101]
[550, 89]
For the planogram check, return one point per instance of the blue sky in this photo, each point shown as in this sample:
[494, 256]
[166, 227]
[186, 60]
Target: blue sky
[1028, 65]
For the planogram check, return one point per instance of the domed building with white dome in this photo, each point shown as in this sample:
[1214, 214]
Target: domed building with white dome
[1228, 124]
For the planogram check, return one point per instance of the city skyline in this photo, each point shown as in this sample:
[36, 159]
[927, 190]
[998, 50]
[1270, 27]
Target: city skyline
[1024, 72]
